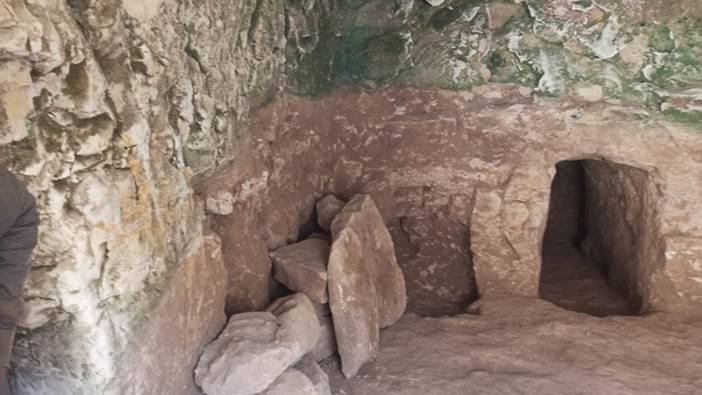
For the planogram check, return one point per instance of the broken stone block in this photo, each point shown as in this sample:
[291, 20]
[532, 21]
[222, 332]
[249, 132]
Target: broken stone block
[326, 345]
[255, 348]
[378, 255]
[302, 267]
[291, 382]
[327, 208]
[317, 376]
[353, 302]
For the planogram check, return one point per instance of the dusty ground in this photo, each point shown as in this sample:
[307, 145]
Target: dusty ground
[571, 280]
[530, 346]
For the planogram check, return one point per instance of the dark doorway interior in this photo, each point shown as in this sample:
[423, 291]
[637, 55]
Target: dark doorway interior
[569, 278]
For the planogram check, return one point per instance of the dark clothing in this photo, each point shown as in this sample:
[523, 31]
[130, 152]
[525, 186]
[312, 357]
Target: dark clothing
[18, 237]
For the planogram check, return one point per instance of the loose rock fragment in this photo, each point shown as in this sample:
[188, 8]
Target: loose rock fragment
[302, 268]
[378, 256]
[353, 302]
[255, 348]
[327, 208]
[298, 322]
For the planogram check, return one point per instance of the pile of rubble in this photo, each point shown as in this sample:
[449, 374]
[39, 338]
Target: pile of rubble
[347, 286]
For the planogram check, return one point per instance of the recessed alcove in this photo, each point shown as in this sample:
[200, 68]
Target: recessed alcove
[593, 247]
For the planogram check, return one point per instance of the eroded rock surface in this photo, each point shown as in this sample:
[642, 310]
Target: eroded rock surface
[528, 346]
[255, 348]
[361, 216]
[474, 170]
[302, 267]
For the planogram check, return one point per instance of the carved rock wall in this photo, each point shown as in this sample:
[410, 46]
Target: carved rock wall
[621, 216]
[110, 110]
[484, 160]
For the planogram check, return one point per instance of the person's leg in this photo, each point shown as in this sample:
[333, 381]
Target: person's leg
[4, 381]
[15, 251]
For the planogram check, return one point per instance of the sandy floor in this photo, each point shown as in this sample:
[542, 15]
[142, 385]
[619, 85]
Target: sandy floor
[530, 346]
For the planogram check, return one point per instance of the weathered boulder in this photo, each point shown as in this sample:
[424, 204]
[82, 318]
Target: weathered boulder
[353, 303]
[298, 321]
[327, 208]
[291, 382]
[326, 345]
[255, 348]
[302, 267]
[378, 255]
[317, 376]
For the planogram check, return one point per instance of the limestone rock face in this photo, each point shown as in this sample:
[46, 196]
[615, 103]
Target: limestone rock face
[111, 111]
[302, 267]
[353, 302]
[327, 208]
[197, 294]
[362, 217]
[255, 348]
[291, 382]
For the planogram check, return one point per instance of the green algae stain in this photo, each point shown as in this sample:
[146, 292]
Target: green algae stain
[692, 117]
[451, 13]
[661, 39]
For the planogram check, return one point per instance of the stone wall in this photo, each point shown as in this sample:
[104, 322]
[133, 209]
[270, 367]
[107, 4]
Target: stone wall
[113, 110]
[643, 52]
[623, 227]
[566, 220]
[110, 110]
[474, 169]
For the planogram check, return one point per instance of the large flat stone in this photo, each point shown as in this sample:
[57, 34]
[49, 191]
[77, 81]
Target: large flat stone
[255, 348]
[353, 302]
[378, 256]
[302, 267]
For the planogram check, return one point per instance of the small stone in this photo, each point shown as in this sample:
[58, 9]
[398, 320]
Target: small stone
[220, 203]
[302, 267]
[317, 376]
[291, 382]
[327, 208]
[590, 93]
[353, 302]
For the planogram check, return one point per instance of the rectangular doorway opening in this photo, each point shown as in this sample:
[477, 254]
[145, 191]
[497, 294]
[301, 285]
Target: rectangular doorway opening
[591, 247]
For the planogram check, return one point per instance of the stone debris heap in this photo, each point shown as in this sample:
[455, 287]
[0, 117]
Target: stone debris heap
[344, 290]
